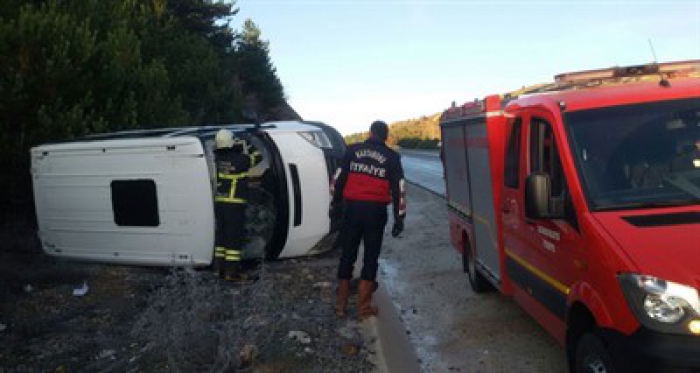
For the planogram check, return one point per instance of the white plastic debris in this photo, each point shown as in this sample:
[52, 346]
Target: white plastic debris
[299, 336]
[323, 285]
[107, 354]
[28, 288]
[2, 327]
[81, 291]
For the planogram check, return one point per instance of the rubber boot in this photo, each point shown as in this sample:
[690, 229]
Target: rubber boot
[218, 263]
[232, 271]
[365, 309]
[342, 295]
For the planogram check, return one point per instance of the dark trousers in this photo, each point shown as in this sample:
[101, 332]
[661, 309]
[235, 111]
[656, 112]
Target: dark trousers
[362, 222]
[230, 235]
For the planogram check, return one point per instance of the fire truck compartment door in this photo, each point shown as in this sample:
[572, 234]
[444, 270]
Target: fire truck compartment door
[479, 159]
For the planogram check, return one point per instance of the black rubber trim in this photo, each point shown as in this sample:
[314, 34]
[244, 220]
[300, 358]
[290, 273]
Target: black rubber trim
[281, 229]
[659, 220]
[296, 186]
[543, 292]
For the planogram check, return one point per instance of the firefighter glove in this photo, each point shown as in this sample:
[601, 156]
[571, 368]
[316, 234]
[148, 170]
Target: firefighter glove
[398, 226]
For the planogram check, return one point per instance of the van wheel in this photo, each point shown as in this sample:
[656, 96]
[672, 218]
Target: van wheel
[477, 281]
[592, 356]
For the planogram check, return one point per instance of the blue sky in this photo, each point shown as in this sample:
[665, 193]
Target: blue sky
[348, 63]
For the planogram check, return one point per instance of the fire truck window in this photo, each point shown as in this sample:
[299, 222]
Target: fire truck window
[512, 166]
[638, 156]
[544, 157]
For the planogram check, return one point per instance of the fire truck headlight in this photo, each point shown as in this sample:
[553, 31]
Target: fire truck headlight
[667, 309]
[661, 305]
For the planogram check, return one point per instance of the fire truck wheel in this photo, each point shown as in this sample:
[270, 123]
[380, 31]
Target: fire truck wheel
[477, 281]
[591, 355]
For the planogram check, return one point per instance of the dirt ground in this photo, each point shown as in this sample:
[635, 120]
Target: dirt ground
[153, 319]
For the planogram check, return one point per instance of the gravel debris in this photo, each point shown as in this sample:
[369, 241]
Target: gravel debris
[171, 319]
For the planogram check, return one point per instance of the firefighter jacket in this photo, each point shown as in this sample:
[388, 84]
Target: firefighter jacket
[232, 166]
[370, 171]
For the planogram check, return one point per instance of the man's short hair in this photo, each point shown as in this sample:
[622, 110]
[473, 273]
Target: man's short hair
[380, 130]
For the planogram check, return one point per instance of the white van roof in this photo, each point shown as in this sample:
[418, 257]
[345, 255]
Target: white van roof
[92, 141]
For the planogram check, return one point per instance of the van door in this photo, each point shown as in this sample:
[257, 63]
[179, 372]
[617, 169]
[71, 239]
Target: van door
[539, 253]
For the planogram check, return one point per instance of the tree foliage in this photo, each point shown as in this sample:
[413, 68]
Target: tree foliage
[68, 69]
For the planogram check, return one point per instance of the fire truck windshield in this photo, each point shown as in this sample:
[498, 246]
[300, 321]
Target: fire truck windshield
[638, 156]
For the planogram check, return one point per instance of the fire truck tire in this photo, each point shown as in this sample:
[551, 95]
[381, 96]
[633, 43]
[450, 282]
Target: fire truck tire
[592, 356]
[477, 281]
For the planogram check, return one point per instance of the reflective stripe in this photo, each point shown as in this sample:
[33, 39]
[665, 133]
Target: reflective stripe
[229, 200]
[232, 190]
[255, 157]
[539, 273]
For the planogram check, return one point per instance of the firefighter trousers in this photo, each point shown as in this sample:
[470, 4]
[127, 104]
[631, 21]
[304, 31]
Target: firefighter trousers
[363, 222]
[230, 237]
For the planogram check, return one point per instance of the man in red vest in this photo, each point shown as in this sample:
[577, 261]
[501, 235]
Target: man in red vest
[368, 179]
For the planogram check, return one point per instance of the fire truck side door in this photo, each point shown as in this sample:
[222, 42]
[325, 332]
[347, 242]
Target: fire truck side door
[538, 251]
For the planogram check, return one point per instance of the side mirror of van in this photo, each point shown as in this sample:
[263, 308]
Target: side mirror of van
[538, 187]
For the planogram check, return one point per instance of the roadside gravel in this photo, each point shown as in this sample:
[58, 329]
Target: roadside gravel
[151, 319]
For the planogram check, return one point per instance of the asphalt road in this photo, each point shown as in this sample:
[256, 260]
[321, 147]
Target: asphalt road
[423, 167]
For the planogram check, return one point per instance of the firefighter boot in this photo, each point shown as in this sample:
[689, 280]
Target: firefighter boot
[232, 271]
[342, 295]
[218, 263]
[365, 309]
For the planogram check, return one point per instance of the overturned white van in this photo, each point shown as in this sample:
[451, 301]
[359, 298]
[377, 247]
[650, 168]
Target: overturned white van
[146, 197]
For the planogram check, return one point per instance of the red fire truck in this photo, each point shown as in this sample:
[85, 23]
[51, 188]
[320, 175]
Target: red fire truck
[581, 199]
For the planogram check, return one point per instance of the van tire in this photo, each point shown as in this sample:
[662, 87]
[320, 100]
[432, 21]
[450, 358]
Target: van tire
[592, 356]
[477, 281]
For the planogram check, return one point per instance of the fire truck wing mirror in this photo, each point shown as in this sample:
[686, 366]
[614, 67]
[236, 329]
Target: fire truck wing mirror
[537, 195]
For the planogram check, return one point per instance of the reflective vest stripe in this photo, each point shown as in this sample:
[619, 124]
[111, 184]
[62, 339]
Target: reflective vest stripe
[232, 190]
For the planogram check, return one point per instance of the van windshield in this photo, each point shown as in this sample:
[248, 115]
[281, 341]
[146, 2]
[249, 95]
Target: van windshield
[638, 156]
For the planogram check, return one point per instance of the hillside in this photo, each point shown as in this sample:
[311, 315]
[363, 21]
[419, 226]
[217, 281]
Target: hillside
[421, 133]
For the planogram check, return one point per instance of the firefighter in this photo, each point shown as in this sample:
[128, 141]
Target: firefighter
[369, 177]
[233, 159]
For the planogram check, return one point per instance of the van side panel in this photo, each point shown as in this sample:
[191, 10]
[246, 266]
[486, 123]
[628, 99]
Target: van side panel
[129, 201]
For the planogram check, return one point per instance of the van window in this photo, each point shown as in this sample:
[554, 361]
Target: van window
[512, 166]
[135, 203]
